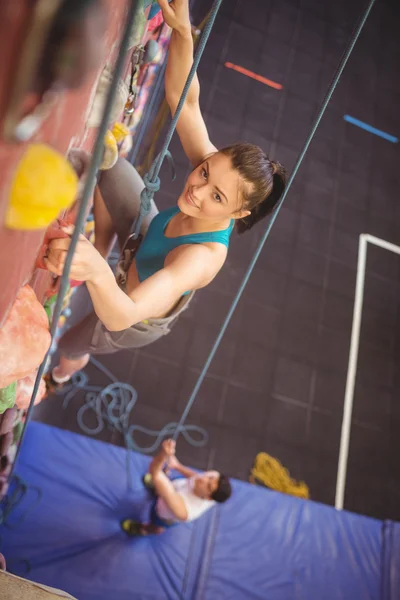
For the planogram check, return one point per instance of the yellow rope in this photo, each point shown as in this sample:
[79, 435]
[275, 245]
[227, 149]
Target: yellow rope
[270, 472]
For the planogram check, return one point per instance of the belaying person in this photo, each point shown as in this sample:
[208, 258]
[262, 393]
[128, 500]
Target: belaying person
[181, 500]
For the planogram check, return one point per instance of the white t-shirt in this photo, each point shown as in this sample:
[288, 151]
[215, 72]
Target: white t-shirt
[195, 506]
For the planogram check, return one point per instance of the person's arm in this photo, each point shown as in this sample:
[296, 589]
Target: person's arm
[194, 267]
[191, 127]
[163, 485]
[176, 465]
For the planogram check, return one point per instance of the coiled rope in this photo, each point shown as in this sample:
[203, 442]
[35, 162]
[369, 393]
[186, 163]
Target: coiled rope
[111, 407]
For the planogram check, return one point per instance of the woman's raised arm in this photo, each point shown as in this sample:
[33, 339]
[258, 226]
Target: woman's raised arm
[191, 128]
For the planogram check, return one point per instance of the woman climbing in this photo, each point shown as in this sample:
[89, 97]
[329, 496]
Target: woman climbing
[182, 248]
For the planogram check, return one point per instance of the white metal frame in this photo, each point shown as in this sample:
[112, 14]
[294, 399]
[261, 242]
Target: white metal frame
[365, 238]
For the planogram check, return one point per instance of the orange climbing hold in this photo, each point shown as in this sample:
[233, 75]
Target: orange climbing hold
[24, 338]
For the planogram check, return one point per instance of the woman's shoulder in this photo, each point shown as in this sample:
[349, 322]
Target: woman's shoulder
[202, 261]
[207, 250]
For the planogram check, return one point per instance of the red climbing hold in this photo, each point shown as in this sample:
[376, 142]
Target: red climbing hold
[24, 338]
[25, 389]
[53, 232]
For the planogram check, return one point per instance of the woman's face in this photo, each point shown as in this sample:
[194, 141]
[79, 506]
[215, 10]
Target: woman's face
[213, 191]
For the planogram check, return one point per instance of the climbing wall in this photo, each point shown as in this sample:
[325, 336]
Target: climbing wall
[58, 63]
[64, 128]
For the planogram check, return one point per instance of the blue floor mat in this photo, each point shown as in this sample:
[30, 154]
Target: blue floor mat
[260, 544]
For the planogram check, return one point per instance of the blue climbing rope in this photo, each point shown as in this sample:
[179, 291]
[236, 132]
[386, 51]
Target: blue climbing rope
[331, 89]
[17, 492]
[86, 194]
[151, 179]
[111, 407]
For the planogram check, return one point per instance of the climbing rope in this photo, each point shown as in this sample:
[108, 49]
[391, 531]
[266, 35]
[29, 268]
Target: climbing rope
[111, 407]
[331, 89]
[18, 490]
[86, 195]
[151, 179]
[17, 494]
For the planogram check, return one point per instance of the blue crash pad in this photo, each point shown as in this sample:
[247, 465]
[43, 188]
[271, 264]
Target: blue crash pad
[260, 544]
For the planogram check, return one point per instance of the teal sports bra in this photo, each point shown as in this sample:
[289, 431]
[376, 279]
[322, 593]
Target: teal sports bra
[152, 252]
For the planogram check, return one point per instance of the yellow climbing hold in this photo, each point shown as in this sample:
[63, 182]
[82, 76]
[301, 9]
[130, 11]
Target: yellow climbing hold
[111, 140]
[120, 131]
[110, 154]
[44, 184]
[270, 472]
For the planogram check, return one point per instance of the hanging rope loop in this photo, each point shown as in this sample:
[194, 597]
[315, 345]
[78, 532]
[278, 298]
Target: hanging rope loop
[152, 186]
[146, 197]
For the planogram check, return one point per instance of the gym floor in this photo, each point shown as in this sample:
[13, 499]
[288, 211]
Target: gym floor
[277, 382]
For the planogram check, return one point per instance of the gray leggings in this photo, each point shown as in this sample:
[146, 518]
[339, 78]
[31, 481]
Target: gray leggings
[120, 188]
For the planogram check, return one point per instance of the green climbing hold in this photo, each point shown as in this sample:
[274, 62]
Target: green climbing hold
[8, 396]
[49, 306]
